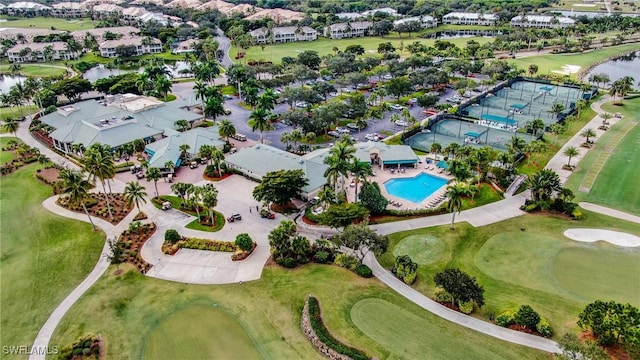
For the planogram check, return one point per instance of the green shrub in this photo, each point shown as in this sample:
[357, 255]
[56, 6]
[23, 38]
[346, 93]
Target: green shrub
[410, 278]
[364, 271]
[323, 334]
[346, 261]
[287, 262]
[505, 319]
[466, 307]
[544, 328]
[172, 236]
[443, 297]
[405, 269]
[244, 242]
[527, 317]
[209, 245]
[576, 214]
[321, 257]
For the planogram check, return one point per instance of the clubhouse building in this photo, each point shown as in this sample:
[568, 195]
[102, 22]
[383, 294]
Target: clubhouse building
[284, 34]
[467, 18]
[541, 21]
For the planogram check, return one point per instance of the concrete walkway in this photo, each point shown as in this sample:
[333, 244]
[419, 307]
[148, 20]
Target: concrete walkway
[610, 212]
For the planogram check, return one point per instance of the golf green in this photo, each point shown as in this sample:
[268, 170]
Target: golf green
[422, 249]
[200, 332]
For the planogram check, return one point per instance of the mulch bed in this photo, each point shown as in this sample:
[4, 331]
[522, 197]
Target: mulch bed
[97, 206]
[449, 305]
[49, 175]
[615, 351]
[131, 243]
[224, 176]
[523, 329]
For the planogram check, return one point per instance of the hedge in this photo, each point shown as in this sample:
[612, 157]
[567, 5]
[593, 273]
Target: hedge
[211, 245]
[506, 318]
[323, 333]
[544, 328]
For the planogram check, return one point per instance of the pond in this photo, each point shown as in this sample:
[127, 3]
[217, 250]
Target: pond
[628, 65]
[7, 81]
[100, 72]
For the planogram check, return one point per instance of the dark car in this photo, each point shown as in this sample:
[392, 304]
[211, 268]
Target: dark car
[266, 214]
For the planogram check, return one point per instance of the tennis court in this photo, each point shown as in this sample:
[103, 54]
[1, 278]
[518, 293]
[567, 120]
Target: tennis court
[464, 133]
[512, 107]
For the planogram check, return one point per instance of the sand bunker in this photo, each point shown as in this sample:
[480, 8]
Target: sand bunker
[612, 237]
[568, 70]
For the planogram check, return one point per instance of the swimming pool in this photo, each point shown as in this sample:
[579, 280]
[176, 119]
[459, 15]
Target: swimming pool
[415, 189]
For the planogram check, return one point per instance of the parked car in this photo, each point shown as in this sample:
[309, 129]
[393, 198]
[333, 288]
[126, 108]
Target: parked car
[266, 214]
[234, 217]
[396, 107]
[333, 133]
[193, 165]
[166, 205]
[227, 111]
[402, 123]
[227, 97]
[373, 137]
[342, 130]
[353, 126]
[301, 104]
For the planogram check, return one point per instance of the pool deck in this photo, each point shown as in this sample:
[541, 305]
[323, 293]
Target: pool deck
[381, 176]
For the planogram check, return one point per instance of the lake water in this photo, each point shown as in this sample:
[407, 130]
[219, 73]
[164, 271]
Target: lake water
[100, 72]
[625, 66]
[7, 81]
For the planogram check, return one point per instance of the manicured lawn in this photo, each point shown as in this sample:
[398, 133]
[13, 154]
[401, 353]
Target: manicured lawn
[553, 62]
[48, 23]
[131, 307]
[325, 46]
[219, 218]
[402, 332]
[616, 184]
[15, 112]
[43, 70]
[43, 256]
[534, 266]
[204, 333]
[486, 195]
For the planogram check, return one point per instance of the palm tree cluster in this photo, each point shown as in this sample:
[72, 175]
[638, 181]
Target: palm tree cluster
[260, 118]
[155, 80]
[197, 197]
[211, 100]
[98, 162]
[621, 88]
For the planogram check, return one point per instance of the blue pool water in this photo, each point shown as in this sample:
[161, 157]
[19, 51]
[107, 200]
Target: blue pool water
[414, 189]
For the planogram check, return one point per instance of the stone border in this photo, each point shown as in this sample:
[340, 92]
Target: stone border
[310, 334]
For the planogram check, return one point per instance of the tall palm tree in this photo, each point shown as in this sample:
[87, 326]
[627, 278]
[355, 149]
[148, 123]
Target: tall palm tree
[98, 162]
[162, 86]
[260, 118]
[360, 172]
[77, 187]
[154, 174]
[339, 159]
[134, 192]
[533, 69]
[460, 170]
[326, 197]
[454, 195]
[200, 90]
[556, 109]
[516, 145]
[11, 125]
[435, 148]
[571, 151]
[536, 125]
[210, 200]
[184, 151]
[267, 100]
[226, 129]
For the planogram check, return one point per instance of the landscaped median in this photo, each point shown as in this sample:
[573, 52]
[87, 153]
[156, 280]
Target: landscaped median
[241, 248]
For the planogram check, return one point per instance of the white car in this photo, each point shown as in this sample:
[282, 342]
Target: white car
[342, 130]
[301, 104]
[396, 107]
[402, 123]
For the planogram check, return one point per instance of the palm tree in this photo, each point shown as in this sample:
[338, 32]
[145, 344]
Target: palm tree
[571, 151]
[134, 192]
[98, 162]
[533, 69]
[605, 118]
[360, 171]
[516, 145]
[543, 184]
[556, 109]
[226, 129]
[163, 86]
[210, 200]
[435, 149]
[267, 100]
[77, 187]
[182, 125]
[340, 156]
[11, 125]
[200, 89]
[43, 160]
[587, 134]
[213, 105]
[460, 170]
[260, 118]
[621, 87]
[454, 194]
[326, 197]
[536, 125]
[154, 174]
[184, 151]
[143, 84]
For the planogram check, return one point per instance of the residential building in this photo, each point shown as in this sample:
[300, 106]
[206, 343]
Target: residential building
[115, 121]
[27, 8]
[284, 34]
[99, 33]
[184, 4]
[425, 21]
[143, 45]
[25, 35]
[278, 15]
[132, 14]
[106, 10]
[348, 29]
[69, 10]
[34, 52]
[186, 46]
[350, 16]
[542, 21]
[386, 10]
[466, 18]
